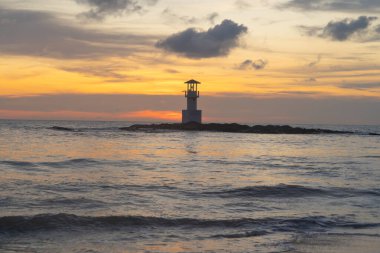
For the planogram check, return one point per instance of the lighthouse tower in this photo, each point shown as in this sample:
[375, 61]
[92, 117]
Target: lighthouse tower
[192, 114]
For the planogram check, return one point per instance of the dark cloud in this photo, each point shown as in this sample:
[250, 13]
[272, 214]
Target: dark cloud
[249, 64]
[41, 34]
[342, 30]
[216, 41]
[334, 5]
[100, 9]
[361, 86]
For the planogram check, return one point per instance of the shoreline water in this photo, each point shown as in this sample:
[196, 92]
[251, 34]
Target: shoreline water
[96, 188]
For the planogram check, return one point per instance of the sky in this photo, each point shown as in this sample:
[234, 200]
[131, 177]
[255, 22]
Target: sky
[259, 61]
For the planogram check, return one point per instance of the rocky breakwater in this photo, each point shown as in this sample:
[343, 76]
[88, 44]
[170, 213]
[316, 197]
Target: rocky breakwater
[231, 128]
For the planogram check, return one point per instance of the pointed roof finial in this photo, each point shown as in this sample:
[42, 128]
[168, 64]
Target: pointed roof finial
[192, 81]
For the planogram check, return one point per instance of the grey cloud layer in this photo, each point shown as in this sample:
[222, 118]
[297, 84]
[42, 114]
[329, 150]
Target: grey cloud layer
[361, 86]
[344, 29]
[99, 9]
[41, 34]
[216, 41]
[294, 107]
[334, 5]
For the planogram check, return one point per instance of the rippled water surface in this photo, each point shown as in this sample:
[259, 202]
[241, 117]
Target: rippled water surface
[100, 189]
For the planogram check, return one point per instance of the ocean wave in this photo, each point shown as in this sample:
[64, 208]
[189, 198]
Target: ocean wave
[24, 166]
[63, 221]
[242, 235]
[83, 129]
[72, 162]
[372, 156]
[59, 128]
[290, 191]
[66, 163]
[68, 202]
[18, 163]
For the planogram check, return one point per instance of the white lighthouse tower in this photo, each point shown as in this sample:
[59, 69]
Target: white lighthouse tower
[192, 114]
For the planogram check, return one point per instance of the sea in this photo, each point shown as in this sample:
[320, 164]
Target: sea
[97, 188]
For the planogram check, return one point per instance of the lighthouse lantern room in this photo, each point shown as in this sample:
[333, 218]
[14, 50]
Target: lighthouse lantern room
[192, 114]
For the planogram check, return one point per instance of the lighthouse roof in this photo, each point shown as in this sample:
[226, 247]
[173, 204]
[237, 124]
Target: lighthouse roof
[192, 81]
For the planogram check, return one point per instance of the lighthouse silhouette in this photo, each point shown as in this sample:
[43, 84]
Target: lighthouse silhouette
[192, 114]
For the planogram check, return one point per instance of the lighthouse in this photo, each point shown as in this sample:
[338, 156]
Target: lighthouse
[192, 114]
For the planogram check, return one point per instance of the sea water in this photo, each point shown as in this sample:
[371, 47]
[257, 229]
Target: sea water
[97, 188]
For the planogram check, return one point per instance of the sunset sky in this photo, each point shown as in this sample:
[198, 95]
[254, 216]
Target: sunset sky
[259, 61]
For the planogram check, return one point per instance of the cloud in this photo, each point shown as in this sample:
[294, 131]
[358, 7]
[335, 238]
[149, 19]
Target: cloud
[100, 9]
[212, 17]
[342, 30]
[310, 30]
[333, 5]
[310, 80]
[172, 71]
[242, 5]
[316, 62]
[111, 72]
[249, 64]
[41, 34]
[361, 86]
[171, 17]
[215, 42]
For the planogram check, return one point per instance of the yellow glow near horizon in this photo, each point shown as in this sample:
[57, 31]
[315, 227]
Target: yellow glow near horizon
[34, 76]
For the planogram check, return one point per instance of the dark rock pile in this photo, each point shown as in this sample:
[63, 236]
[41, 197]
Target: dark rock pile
[231, 128]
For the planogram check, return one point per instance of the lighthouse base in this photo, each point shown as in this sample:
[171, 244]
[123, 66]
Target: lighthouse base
[191, 116]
